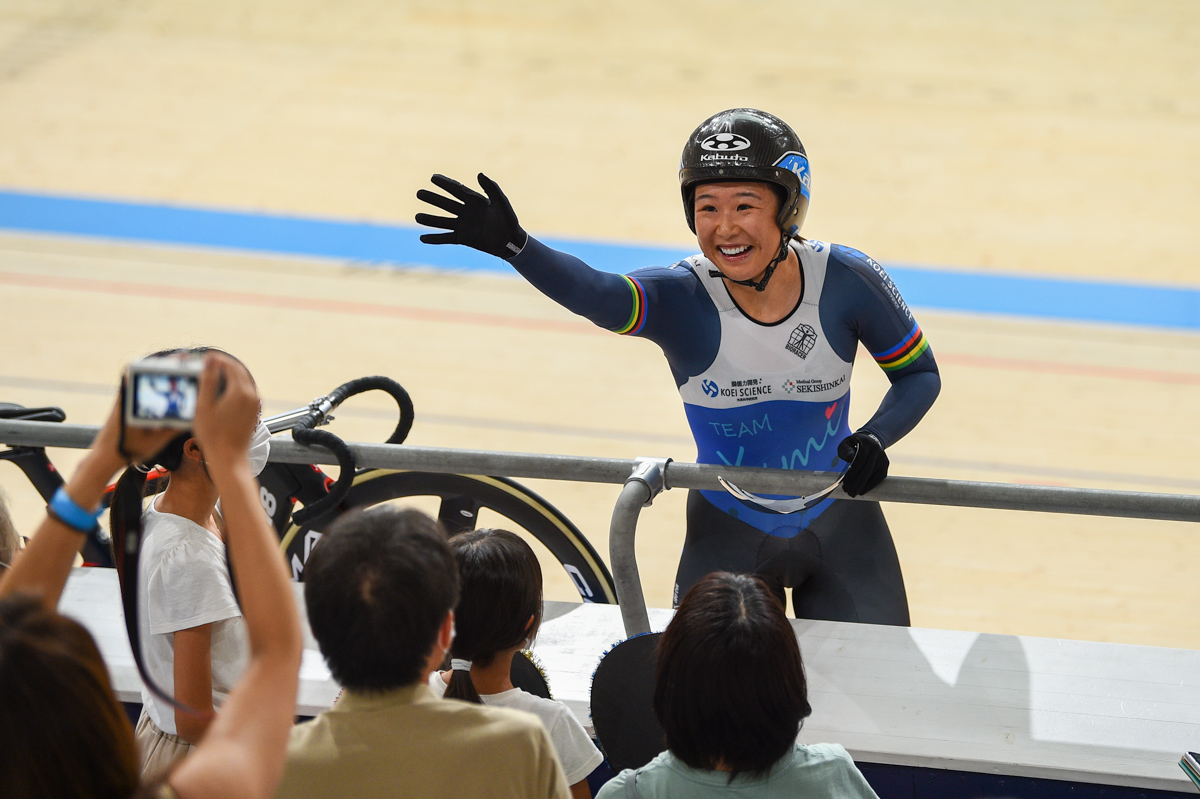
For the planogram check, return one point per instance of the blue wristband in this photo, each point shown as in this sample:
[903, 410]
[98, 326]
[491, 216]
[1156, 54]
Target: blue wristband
[63, 508]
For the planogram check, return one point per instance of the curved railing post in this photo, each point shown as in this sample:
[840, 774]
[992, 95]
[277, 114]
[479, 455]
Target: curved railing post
[641, 487]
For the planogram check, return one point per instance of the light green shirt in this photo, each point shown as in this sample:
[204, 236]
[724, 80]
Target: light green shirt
[818, 771]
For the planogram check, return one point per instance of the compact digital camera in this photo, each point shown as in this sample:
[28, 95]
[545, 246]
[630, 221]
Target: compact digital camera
[163, 392]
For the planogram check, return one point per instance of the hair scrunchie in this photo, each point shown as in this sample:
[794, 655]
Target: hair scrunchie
[456, 664]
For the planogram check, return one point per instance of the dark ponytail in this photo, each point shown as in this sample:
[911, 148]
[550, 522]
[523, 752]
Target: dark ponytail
[501, 593]
[131, 489]
[461, 686]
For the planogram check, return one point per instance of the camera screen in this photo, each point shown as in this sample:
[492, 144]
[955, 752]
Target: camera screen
[165, 397]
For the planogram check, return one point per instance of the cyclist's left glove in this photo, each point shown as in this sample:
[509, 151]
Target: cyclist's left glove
[868, 462]
[487, 224]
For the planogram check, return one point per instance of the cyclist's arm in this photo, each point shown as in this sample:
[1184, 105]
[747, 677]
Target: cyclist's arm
[666, 305]
[862, 295]
[604, 298]
[904, 405]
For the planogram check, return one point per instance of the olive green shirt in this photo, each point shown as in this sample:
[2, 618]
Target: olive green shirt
[408, 742]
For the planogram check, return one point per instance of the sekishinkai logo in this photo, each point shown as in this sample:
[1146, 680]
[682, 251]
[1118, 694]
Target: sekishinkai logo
[802, 340]
[811, 386]
[725, 142]
[710, 388]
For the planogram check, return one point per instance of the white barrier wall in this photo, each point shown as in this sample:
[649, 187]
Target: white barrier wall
[1034, 707]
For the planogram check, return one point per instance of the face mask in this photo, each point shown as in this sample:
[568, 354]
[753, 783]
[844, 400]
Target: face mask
[260, 448]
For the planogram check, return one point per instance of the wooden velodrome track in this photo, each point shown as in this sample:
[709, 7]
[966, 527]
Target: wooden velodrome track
[1048, 139]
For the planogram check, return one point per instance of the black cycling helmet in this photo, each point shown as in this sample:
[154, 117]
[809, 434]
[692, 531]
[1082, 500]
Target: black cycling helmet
[747, 144]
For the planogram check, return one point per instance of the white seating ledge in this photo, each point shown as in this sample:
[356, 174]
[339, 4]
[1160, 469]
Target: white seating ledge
[1081, 711]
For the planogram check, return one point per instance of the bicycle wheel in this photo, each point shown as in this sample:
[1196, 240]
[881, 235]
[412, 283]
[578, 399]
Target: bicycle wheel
[462, 497]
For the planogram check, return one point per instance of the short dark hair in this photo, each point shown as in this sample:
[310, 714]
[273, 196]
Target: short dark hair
[729, 686]
[377, 588]
[63, 731]
[501, 602]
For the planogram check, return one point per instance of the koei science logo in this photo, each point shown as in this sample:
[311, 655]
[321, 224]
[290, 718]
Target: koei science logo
[710, 388]
[725, 142]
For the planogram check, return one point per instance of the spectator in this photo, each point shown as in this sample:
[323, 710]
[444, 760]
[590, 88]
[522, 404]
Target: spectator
[730, 694]
[380, 590]
[498, 613]
[65, 733]
[10, 541]
[193, 637]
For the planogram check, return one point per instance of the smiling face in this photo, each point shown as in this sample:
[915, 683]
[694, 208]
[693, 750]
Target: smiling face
[736, 226]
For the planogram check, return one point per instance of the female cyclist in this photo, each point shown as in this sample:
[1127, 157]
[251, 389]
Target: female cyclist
[760, 331]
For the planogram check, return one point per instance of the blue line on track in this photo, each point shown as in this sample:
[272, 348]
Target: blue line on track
[1175, 307]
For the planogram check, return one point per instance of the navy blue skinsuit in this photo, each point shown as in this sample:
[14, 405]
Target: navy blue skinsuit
[774, 395]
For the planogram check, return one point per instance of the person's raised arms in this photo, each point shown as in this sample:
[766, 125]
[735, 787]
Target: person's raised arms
[488, 223]
[46, 562]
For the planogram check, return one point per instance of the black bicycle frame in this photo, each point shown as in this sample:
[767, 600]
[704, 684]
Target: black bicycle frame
[36, 465]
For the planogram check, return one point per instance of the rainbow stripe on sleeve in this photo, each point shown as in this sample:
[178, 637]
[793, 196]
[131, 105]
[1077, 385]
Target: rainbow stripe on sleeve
[637, 317]
[903, 353]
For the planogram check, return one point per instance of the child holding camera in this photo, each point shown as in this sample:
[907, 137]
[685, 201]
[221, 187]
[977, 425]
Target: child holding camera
[64, 730]
[191, 629]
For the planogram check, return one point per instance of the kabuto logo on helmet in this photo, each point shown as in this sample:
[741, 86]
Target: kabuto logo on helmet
[725, 142]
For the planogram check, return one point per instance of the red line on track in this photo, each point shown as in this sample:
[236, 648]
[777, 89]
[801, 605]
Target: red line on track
[498, 320]
[291, 303]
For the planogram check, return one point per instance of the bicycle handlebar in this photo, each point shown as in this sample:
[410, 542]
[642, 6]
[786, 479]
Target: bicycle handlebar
[319, 411]
[337, 491]
[379, 383]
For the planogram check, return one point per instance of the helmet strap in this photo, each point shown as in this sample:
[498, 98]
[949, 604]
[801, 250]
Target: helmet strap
[759, 285]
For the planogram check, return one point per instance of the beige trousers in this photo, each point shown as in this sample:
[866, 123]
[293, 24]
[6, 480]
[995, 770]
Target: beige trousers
[160, 750]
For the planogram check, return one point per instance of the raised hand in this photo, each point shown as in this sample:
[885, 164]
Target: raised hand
[868, 462]
[227, 410]
[485, 223]
[117, 444]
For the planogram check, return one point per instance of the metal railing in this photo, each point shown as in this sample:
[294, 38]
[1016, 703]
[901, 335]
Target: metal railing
[643, 478]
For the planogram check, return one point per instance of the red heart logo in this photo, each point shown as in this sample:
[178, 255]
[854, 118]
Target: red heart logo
[829, 410]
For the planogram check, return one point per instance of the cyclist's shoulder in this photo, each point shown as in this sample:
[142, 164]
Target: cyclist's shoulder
[681, 273]
[859, 282]
[850, 261]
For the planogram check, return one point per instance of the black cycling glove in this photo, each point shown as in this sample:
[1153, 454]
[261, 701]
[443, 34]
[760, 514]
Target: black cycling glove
[868, 462]
[484, 223]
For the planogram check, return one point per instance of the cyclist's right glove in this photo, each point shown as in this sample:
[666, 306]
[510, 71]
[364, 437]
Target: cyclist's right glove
[488, 224]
